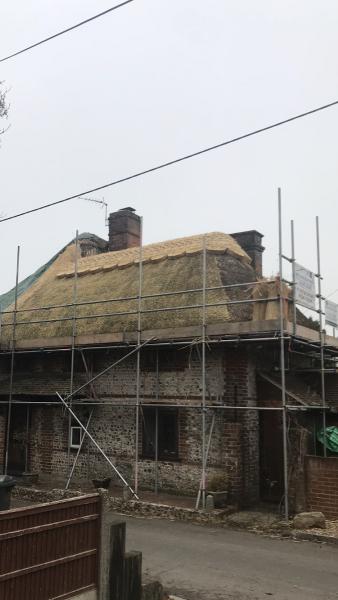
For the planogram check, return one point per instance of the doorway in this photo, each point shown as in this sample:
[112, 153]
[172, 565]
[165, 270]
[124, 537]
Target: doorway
[18, 440]
[271, 456]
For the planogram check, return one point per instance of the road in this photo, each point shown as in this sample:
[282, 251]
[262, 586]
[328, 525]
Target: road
[207, 563]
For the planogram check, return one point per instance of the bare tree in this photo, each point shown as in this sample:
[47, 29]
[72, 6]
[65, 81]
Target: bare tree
[3, 115]
[3, 106]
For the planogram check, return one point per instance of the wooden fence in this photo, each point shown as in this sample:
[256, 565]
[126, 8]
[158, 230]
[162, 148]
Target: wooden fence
[50, 551]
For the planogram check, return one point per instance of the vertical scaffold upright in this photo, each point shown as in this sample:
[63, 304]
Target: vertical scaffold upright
[157, 393]
[321, 334]
[11, 376]
[282, 360]
[204, 327]
[74, 328]
[138, 359]
[293, 262]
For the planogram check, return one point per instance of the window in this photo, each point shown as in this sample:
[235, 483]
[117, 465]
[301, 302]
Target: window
[165, 421]
[75, 437]
[165, 359]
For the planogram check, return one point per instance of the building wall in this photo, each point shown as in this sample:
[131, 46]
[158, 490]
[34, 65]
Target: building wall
[114, 429]
[322, 485]
[230, 378]
[176, 384]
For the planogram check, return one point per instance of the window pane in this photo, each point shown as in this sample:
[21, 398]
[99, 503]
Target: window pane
[75, 436]
[149, 431]
[168, 433]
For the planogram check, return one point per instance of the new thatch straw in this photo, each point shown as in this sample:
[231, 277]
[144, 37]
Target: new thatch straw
[167, 266]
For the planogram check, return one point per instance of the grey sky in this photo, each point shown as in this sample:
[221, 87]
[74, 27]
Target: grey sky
[157, 79]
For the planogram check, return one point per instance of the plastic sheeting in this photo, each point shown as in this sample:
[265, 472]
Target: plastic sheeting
[331, 438]
[8, 298]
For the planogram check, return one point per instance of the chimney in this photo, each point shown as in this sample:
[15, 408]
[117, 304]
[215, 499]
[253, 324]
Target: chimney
[251, 242]
[124, 229]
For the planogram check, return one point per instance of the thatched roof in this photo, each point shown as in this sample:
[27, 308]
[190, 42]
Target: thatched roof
[170, 266]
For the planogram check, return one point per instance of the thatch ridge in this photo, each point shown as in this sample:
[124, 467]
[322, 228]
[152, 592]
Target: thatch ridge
[187, 246]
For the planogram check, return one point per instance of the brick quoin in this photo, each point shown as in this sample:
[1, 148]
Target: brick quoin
[322, 485]
[46, 451]
[232, 438]
[240, 389]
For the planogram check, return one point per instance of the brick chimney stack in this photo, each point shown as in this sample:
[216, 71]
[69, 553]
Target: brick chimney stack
[251, 242]
[124, 229]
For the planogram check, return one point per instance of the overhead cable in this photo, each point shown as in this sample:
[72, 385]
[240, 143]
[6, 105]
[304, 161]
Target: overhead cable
[55, 35]
[174, 161]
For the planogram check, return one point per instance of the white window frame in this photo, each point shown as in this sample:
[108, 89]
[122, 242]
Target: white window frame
[73, 445]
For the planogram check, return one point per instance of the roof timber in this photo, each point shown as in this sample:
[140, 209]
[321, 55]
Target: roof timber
[251, 329]
[279, 387]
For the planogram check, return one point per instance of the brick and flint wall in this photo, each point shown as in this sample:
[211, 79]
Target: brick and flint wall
[230, 379]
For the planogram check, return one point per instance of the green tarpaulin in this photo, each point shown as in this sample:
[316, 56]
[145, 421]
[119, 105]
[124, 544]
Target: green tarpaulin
[331, 438]
[8, 298]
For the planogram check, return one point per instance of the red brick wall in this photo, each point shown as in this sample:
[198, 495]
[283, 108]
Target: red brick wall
[233, 444]
[322, 485]
[240, 390]
[42, 436]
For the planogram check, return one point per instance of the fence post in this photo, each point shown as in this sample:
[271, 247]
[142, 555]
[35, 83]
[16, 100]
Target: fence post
[120, 573]
[116, 566]
[112, 560]
[133, 576]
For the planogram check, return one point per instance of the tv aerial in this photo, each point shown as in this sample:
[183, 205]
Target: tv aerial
[103, 204]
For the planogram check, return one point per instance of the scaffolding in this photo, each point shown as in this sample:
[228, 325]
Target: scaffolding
[320, 349]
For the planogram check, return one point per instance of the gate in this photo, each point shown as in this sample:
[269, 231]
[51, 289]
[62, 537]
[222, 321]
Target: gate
[50, 551]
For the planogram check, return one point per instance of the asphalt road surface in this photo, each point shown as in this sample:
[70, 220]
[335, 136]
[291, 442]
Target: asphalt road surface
[206, 563]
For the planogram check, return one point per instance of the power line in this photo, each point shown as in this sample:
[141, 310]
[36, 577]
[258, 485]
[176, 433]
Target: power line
[331, 293]
[55, 35]
[175, 161]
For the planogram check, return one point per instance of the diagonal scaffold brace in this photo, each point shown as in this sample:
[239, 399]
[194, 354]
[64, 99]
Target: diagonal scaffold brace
[92, 388]
[84, 428]
[97, 446]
